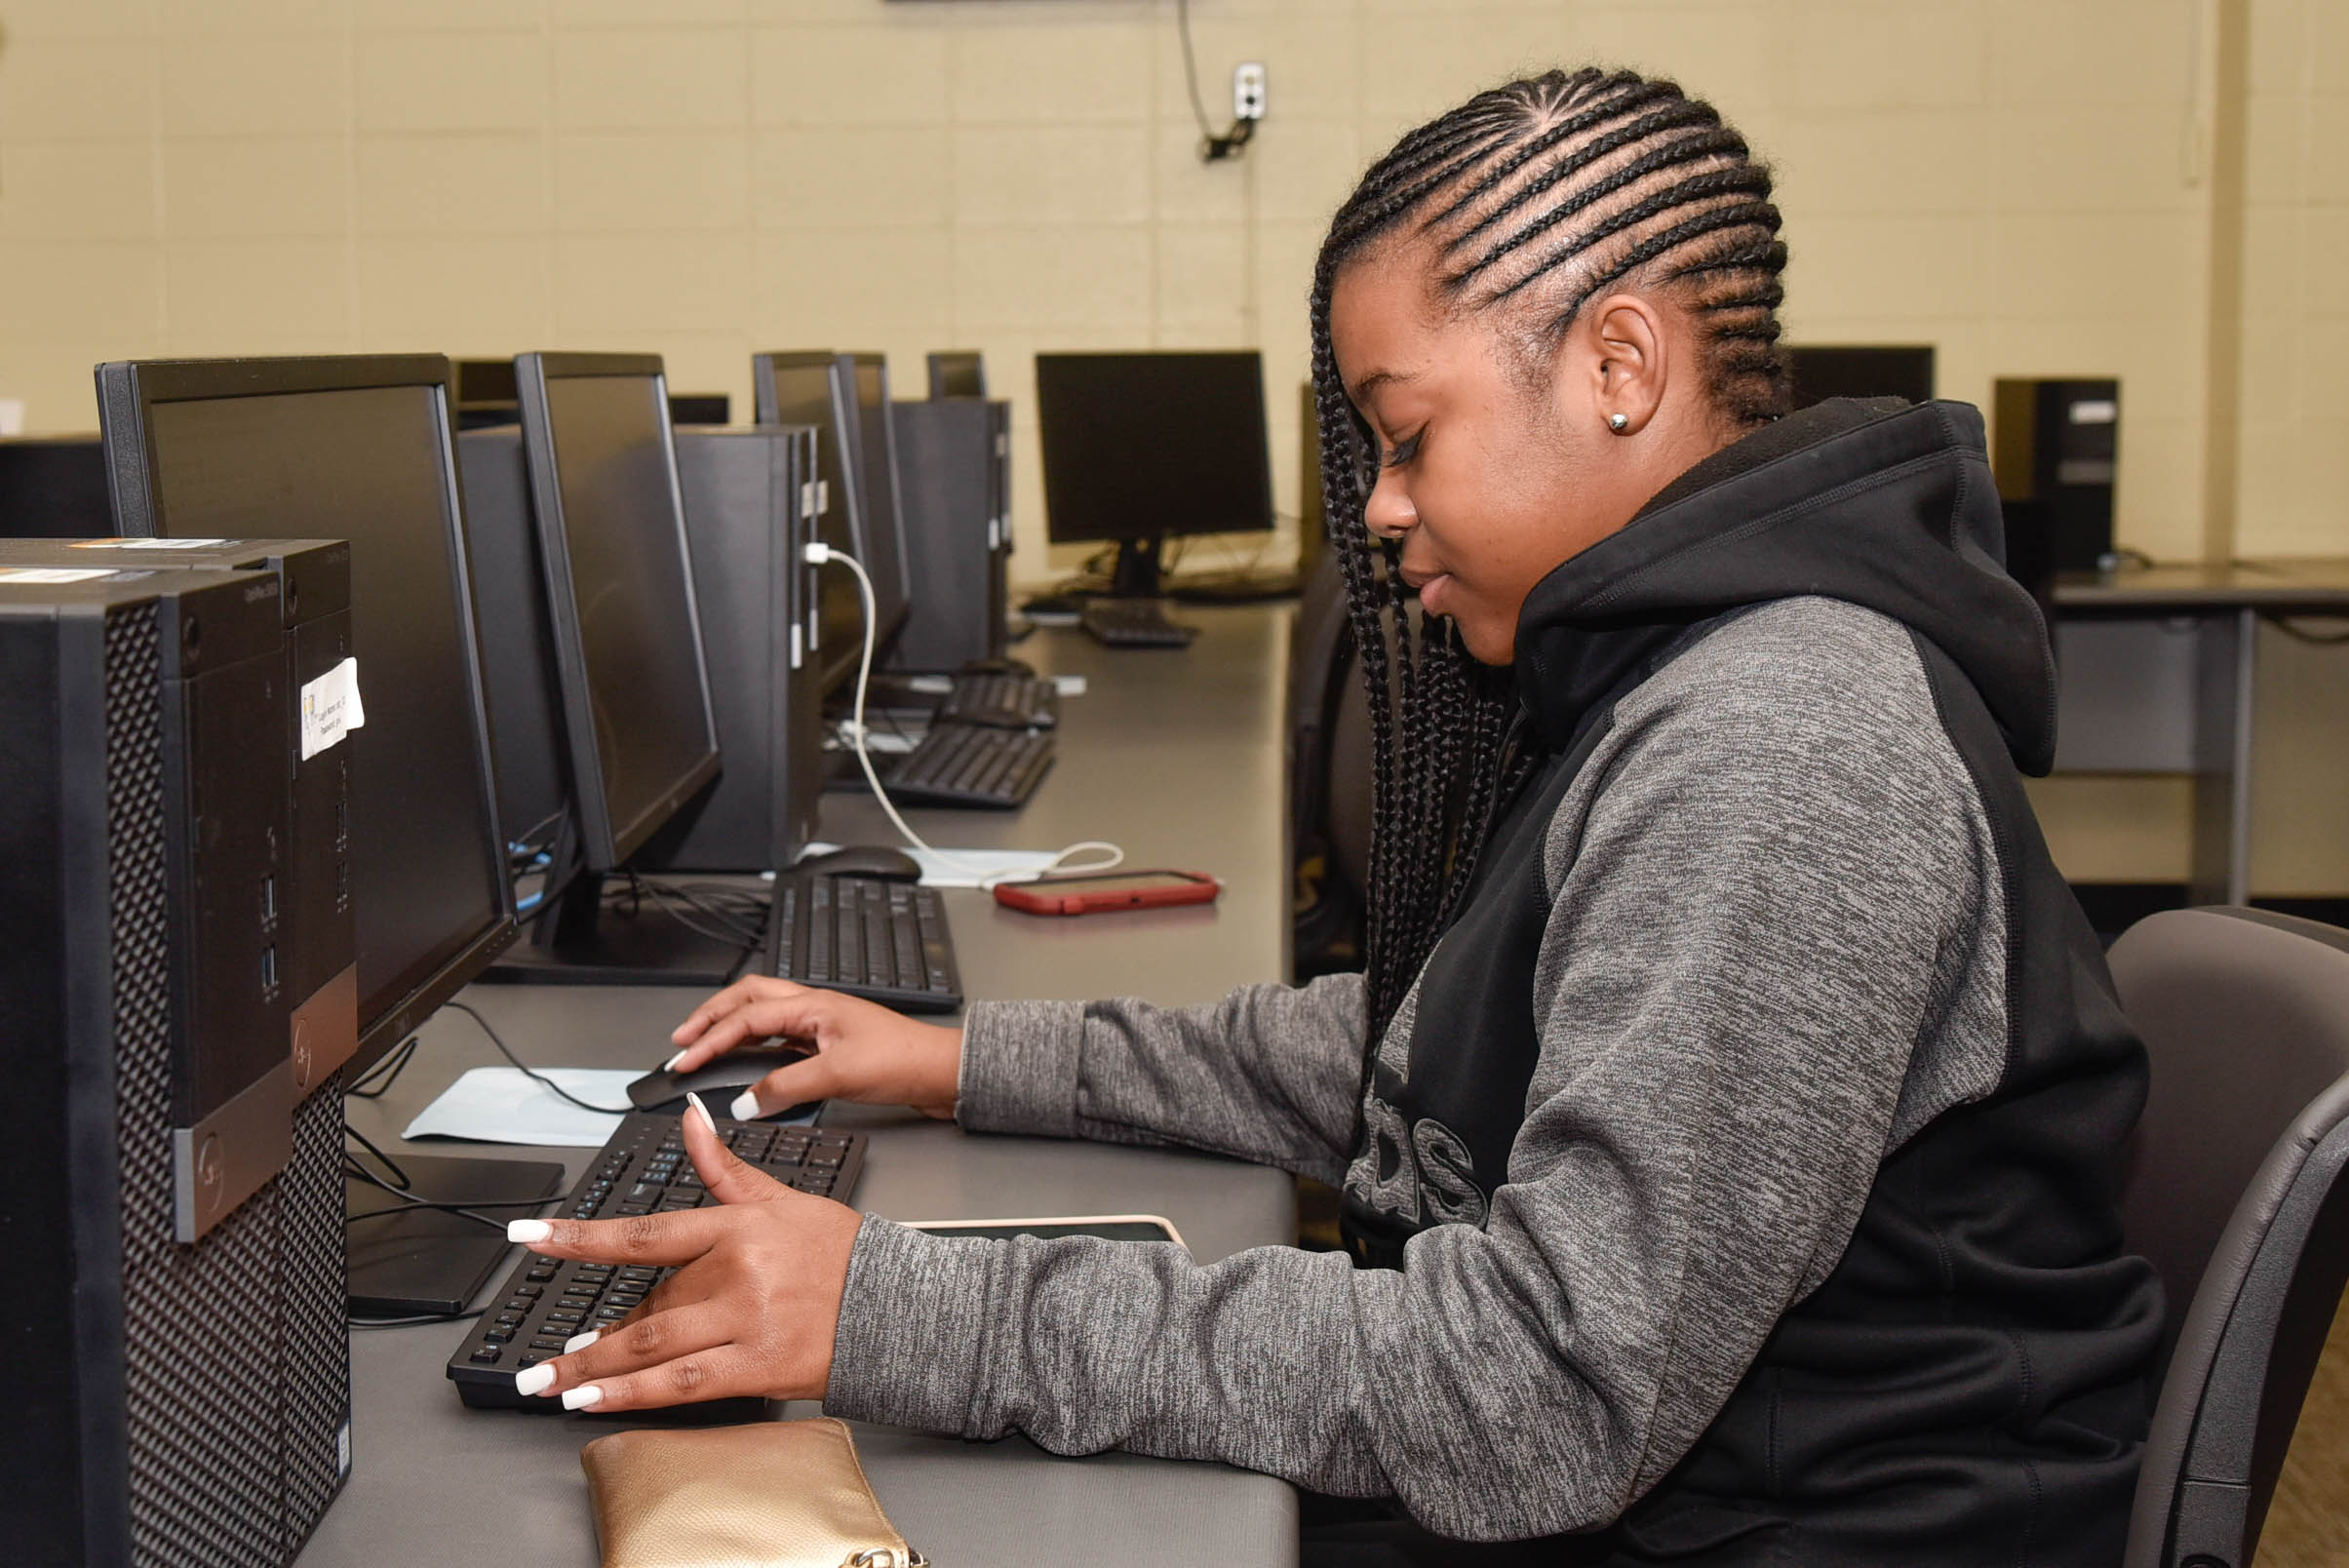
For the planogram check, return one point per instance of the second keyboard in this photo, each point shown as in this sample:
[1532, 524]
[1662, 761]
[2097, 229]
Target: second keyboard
[886, 941]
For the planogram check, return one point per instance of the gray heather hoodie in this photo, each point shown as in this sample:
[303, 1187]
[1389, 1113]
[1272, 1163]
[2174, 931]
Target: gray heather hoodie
[1742, 978]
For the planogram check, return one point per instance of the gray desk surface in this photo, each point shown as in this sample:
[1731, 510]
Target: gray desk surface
[1176, 755]
[2313, 583]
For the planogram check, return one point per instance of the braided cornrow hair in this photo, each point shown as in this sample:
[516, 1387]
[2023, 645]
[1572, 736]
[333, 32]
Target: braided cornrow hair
[1534, 198]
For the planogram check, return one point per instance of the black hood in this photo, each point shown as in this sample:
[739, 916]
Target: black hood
[1885, 504]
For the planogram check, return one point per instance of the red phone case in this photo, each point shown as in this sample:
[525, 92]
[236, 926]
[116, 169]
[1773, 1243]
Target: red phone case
[1039, 897]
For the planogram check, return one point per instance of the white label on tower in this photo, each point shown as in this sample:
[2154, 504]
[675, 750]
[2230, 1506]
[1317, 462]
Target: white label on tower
[149, 545]
[330, 708]
[2096, 411]
[53, 573]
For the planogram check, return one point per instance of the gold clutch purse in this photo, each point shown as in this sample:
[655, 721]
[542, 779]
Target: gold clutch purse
[777, 1494]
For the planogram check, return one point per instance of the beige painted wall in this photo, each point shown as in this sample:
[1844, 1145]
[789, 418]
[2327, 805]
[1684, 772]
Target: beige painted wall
[2022, 182]
[2016, 180]
[2295, 487]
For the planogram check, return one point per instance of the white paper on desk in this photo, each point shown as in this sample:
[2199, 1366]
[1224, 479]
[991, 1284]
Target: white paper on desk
[499, 1105]
[971, 868]
[1069, 686]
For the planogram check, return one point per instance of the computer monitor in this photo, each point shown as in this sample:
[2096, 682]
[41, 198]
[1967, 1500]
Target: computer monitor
[360, 449]
[639, 733]
[54, 487]
[957, 373]
[1141, 447]
[484, 393]
[796, 389]
[611, 538]
[860, 387]
[1820, 371]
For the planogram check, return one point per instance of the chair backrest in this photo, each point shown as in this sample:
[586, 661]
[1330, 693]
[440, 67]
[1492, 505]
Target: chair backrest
[1328, 754]
[2236, 1194]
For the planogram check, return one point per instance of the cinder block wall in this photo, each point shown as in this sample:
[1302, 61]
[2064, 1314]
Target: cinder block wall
[2024, 183]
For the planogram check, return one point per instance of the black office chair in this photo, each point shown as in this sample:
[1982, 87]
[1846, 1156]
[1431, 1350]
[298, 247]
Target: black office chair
[2236, 1194]
[1329, 782]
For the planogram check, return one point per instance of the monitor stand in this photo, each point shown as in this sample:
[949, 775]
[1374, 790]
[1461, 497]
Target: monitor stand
[575, 941]
[415, 1263]
[1138, 573]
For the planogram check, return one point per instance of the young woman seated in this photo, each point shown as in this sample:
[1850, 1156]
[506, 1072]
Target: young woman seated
[1729, 1119]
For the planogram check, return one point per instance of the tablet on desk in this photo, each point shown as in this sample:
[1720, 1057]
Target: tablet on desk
[1107, 1226]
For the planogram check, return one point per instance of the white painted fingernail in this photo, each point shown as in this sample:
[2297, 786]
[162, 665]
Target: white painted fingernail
[670, 1066]
[580, 1342]
[708, 1120]
[581, 1399]
[534, 1379]
[745, 1106]
[527, 1232]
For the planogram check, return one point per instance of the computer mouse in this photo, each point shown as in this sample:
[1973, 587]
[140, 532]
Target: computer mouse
[863, 860]
[999, 667]
[716, 1081]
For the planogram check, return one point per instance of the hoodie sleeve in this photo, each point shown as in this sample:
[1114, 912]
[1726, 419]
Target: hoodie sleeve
[1762, 899]
[1270, 1073]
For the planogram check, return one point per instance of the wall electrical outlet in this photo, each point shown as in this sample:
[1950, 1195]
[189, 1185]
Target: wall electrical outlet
[1248, 90]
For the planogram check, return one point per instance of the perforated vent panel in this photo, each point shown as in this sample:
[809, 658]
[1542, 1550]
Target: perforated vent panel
[318, 1359]
[206, 1348]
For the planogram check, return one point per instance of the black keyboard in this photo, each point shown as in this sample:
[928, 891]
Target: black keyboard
[968, 764]
[1005, 701]
[887, 941]
[1133, 623]
[642, 1170]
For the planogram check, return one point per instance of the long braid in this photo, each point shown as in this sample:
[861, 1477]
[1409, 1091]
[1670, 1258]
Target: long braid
[1538, 197]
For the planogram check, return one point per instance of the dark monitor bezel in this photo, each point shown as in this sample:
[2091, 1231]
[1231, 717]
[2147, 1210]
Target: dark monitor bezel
[834, 664]
[942, 363]
[606, 846]
[892, 614]
[1058, 530]
[1906, 369]
[127, 390]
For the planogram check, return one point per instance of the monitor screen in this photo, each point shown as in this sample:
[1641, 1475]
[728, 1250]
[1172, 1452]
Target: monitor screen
[958, 373]
[372, 465]
[1861, 370]
[1143, 446]
[611, 536]
[795, 389]
[873, 507]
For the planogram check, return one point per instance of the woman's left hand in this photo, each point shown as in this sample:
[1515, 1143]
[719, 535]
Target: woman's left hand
[749, 1309]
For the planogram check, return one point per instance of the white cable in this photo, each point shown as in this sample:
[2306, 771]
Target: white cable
[818, 555]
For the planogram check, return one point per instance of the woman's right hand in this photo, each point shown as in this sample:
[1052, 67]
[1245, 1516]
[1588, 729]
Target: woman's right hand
[862, 1051]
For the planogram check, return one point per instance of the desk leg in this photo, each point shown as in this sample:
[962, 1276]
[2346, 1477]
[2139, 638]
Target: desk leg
[2227, 665]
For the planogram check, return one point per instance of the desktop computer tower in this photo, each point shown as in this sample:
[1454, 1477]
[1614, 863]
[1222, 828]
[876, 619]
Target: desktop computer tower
[2054, 449]
[177, 1375]
[953, 489]
[749, 496]
[318, 937]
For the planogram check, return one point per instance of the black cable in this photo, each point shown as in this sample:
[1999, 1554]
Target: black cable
[531, 1073]
[379, 1077]
[399, 1177]
[668, 902]
[417, 1321]
[1190, 72]
[409, 1201]
[2298, 634]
